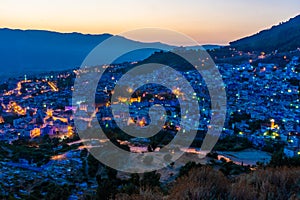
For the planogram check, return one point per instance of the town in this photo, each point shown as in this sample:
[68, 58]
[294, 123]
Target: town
[38, 136]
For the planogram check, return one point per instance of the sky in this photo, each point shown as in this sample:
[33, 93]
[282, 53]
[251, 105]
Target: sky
[206, 21]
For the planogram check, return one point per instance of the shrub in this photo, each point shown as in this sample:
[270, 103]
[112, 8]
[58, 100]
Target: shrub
[201, 183]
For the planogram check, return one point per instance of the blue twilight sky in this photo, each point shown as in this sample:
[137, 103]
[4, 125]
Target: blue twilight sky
[206, 21]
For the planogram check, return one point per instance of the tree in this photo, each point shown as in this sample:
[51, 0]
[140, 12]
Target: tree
[93, 165]
[187, 167]
[151, 179]
[107, 188]
[201, 183]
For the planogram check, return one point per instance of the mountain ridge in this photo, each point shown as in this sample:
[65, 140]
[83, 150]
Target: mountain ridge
[35, 51]
[282, 37]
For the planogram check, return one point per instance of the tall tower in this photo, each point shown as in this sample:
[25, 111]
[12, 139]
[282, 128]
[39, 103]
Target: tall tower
[25, 78]
[272, 123]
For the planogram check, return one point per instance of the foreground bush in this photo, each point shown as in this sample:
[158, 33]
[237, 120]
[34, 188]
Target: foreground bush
[144, 194]
[201, 183]
[270, 183]
[208, 183]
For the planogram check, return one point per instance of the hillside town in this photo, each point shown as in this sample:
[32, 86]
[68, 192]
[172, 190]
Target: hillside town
[262, 107]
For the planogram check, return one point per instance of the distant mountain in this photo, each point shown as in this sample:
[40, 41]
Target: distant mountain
[35, 51]
[283, 37]
[205, 47]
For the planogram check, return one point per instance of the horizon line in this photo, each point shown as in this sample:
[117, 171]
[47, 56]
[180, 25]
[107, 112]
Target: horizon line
[106, 33]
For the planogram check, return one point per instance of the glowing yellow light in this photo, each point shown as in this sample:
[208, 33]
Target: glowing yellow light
[70, 130]
[135, 100]
[1, 120]
[272, 123]
[59, 157]
[53, 86]
[49, 112]
[122, 99]
[277, 135]
[130, 121]
[130, 90]
[36, 132]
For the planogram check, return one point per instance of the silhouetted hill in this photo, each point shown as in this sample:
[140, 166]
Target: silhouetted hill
[204, 47]
[35, 51]
[283, 37]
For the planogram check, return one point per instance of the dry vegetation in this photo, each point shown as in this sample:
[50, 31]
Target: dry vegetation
[207, 183]
[271, 183]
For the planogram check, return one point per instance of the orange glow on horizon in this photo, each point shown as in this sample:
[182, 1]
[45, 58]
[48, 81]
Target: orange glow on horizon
[214, 21]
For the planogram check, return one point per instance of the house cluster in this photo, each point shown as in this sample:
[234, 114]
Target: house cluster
[269, 96]
[266, 97]
[33, 109]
